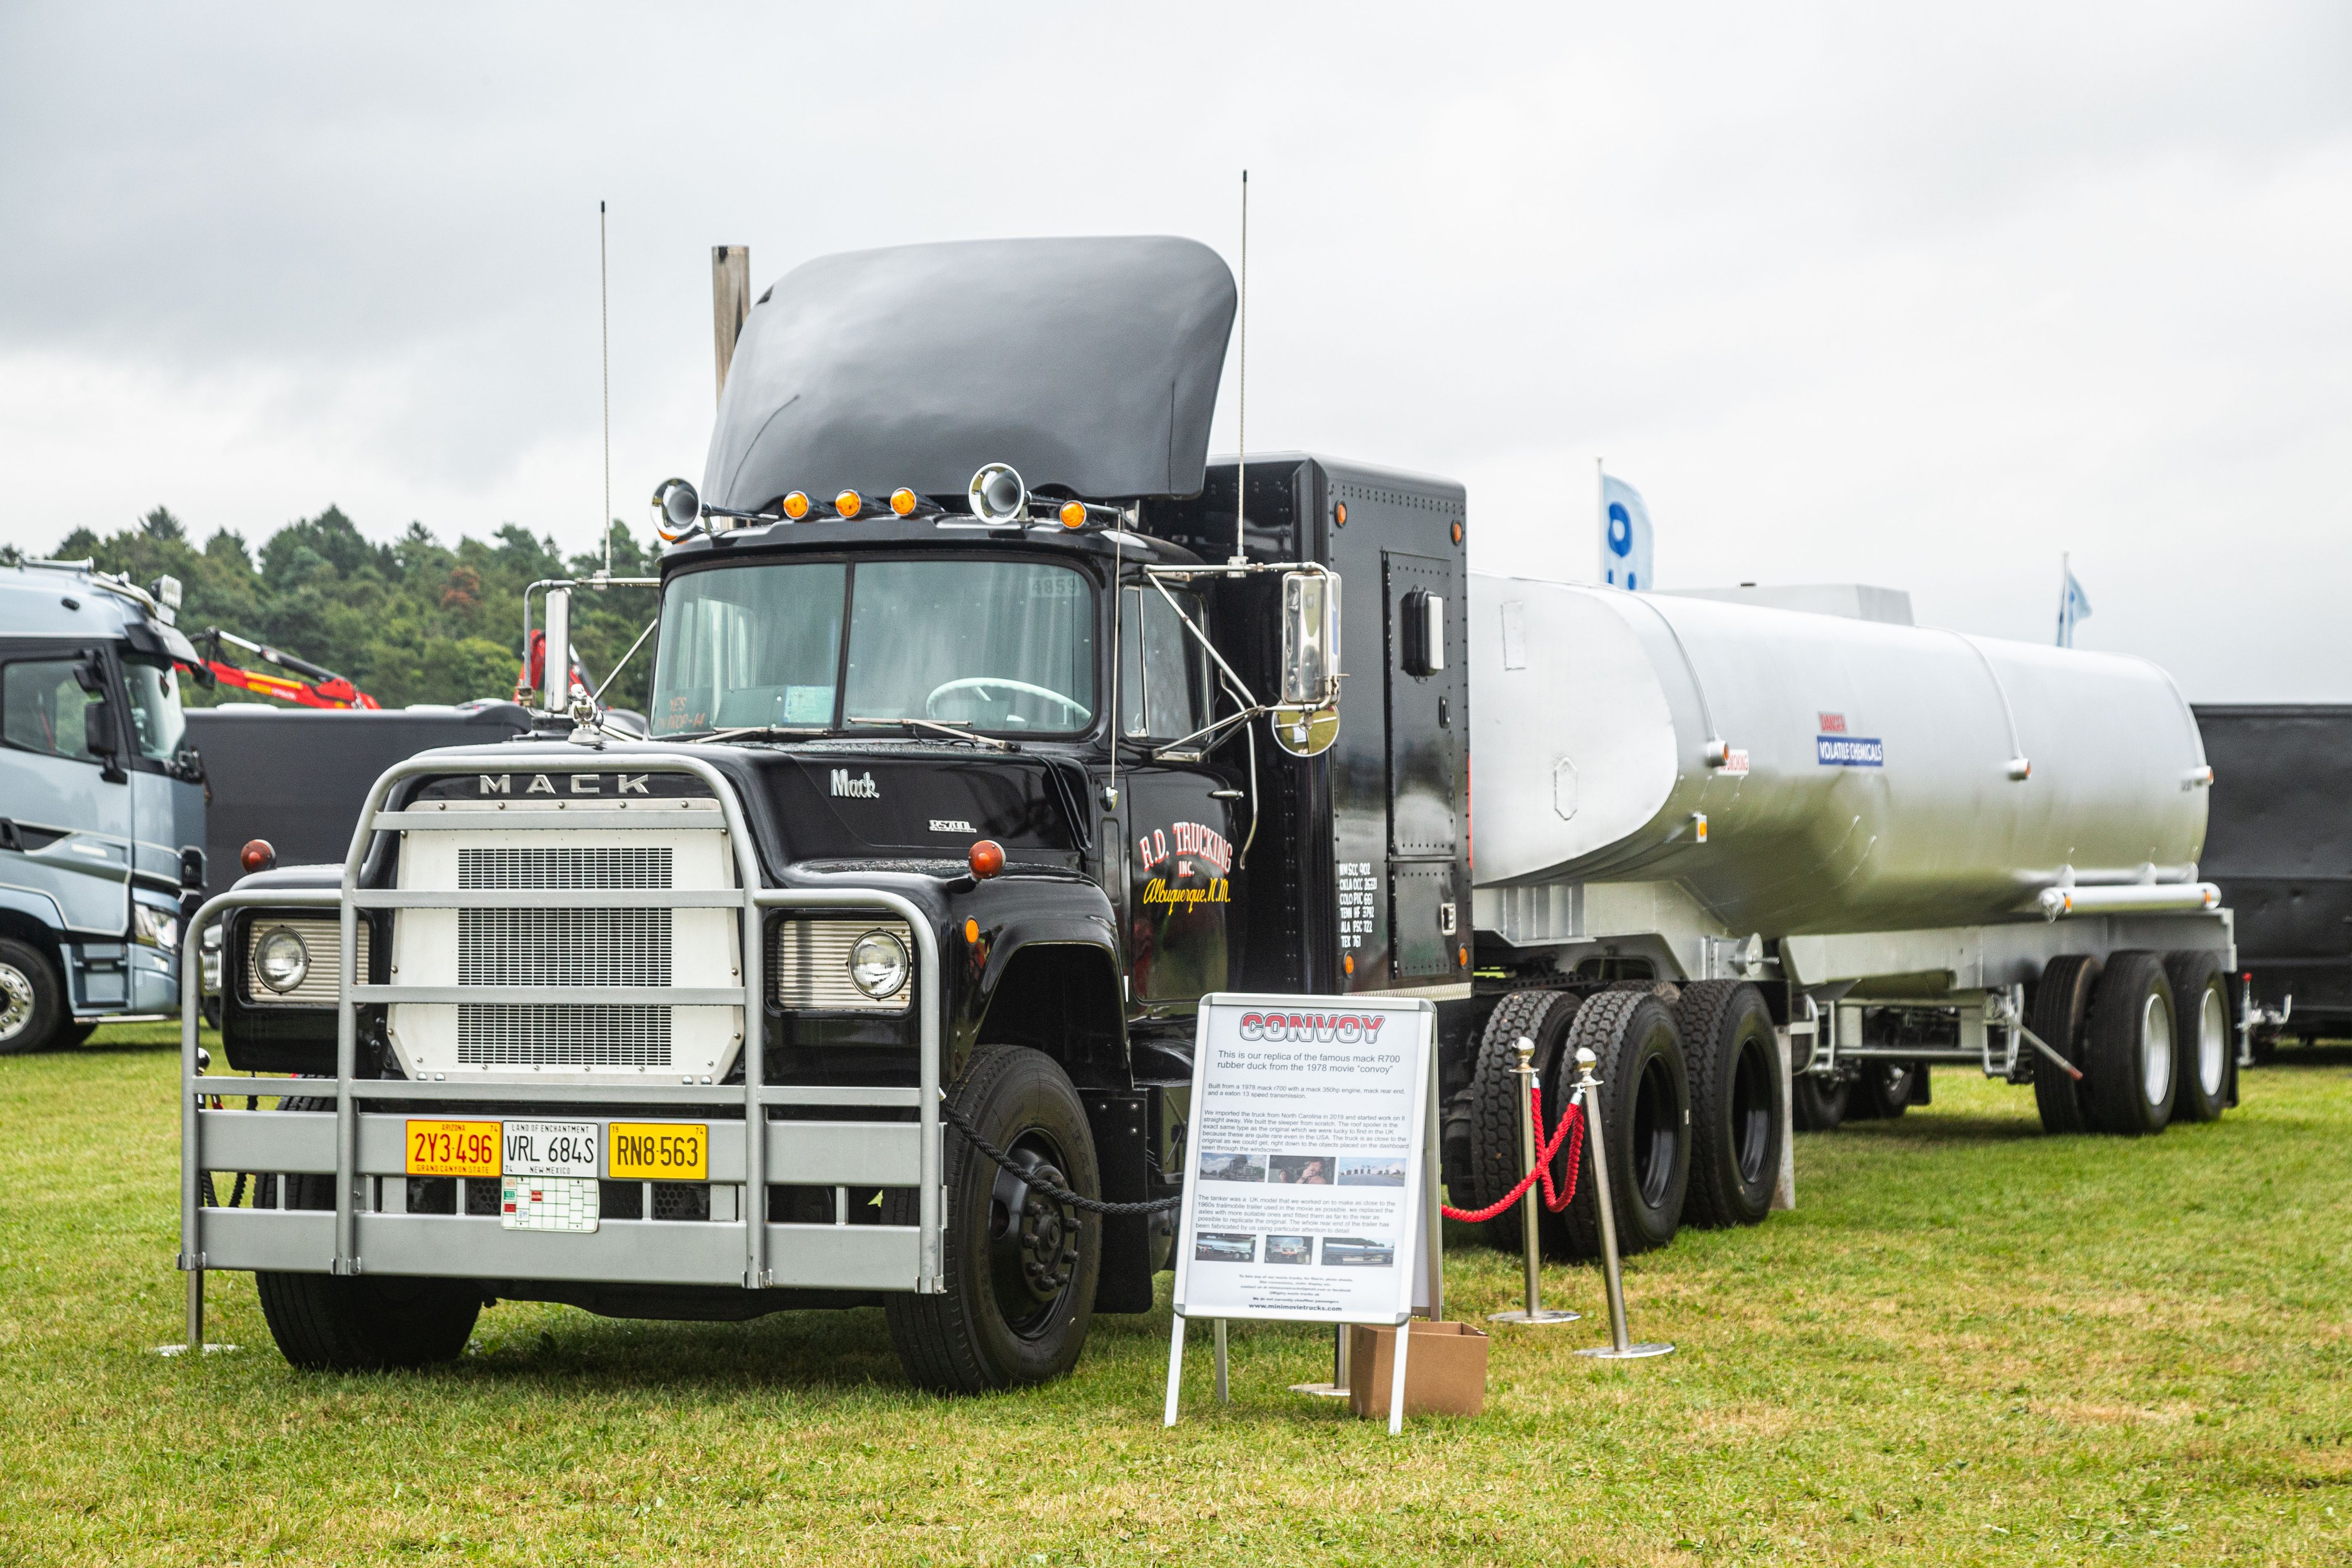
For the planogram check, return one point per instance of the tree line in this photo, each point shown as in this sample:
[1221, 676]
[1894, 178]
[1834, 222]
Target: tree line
[413, 621]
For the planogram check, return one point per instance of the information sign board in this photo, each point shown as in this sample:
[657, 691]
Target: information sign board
[1310, 1185]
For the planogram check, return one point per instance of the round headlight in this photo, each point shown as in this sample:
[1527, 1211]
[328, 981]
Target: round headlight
[281, 959]
[878, 964]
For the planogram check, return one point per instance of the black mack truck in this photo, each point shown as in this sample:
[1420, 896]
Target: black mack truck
[992, 726]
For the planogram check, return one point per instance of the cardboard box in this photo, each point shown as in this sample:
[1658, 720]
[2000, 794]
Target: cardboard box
[1444, 1374]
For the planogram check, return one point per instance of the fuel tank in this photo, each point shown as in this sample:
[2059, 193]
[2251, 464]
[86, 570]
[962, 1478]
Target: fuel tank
[1798, 773]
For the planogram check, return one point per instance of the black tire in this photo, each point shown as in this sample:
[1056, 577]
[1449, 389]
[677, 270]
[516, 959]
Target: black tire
[74, 1034]
[1020, 1271]
[1734, 1059]
[1887, 1088]
[367, 1322]
[1817, 1104]
[2060, 1016]
[2203, 1036]
[33, 1005]
[1645, 1111]
[2132, 1063]
[1545, 1017]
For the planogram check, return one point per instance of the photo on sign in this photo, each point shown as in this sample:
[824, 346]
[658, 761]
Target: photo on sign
[1290, 1249]
[1232, 1167]
[1301, 1170]
[1383, 1170]
[1357, 1252]
[1223, 1247]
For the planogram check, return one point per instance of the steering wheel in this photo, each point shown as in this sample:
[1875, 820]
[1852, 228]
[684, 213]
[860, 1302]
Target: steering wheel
[987, 686]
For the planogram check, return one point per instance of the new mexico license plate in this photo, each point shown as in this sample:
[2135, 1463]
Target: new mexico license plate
[658, 1151]
[550, 1148]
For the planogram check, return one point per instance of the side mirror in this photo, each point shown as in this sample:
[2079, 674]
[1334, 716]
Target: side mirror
[677, 510]
[97, 729]
[1310, 639]
[1307, 720]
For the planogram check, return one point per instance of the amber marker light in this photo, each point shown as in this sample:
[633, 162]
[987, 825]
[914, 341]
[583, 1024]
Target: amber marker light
[1457, 533]
[1339, 514]
[796, 506]
[902, 501]
[849, 503]
[987, 858]
[1074, 514]
[1351, 962]
[972, 932]
[257, 855]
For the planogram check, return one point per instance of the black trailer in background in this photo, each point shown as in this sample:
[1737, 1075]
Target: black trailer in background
[298, 777]
[2279, 845]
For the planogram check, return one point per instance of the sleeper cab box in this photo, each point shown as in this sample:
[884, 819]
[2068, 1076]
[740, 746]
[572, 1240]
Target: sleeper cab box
[1444, 1374]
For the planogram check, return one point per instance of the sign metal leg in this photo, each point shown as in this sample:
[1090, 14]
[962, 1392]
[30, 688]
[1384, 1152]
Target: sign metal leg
[1224, 1384]
[1175, 1368]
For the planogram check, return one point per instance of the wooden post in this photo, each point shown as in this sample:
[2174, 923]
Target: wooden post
[731, 301]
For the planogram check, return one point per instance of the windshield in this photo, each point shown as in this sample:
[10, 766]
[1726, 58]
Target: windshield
[156, 720]
[998, 645]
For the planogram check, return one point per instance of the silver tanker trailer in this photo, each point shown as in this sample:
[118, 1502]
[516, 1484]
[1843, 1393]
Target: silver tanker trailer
[1911, 845]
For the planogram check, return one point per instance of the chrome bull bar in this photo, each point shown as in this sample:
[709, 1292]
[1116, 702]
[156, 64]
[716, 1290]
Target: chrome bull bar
[360, 1151]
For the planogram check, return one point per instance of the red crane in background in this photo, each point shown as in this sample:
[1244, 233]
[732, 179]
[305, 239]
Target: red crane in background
[320, 688]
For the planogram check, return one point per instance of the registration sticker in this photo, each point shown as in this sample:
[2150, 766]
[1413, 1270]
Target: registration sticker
[453, 1149]
[550, 1148]
[658, 1151]
[548, 1203]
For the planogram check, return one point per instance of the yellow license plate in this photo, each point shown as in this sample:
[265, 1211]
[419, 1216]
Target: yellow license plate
[453, 1149]
[658, 1151]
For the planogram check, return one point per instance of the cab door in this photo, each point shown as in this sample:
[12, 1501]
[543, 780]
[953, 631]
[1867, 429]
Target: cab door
[1177, 815]
[68, 809]
[1423, 683]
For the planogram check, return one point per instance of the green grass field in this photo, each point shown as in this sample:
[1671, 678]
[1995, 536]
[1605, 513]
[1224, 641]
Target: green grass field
[1969, 1343]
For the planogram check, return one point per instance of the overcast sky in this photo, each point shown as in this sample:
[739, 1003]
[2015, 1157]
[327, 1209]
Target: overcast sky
[1920, 296]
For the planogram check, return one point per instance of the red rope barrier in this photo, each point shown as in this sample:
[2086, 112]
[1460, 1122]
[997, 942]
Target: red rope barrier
[1571, 1131]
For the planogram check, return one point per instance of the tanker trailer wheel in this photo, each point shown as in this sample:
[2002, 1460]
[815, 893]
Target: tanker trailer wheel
[1887, 1088]
[1019, 1268]
[2201, 993]
[2061, 1016]
[1645, 1112]
[32, 999]
[1817, 1102]
[360, 1323]
[1734, 1059]
[2132, 1067]
[1546, 1017]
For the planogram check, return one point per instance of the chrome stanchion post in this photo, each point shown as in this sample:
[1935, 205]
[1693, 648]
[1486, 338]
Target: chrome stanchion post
[1620, 1346]
[1535, 1311]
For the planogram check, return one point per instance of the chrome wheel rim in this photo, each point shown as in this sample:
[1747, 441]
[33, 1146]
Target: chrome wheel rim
[16, 1001]
[2155, 1048]
[2212, 1042]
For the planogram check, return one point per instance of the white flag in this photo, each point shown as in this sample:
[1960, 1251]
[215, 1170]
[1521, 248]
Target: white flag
[1624, 535]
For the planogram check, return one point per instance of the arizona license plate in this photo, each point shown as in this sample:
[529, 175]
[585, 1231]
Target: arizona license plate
[659, 1151]
[453, 1149]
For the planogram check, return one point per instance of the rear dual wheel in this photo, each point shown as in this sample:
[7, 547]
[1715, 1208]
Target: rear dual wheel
[2200, 994]
[1734, 1059]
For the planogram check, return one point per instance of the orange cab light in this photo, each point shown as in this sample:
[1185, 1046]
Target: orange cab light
[1339, 514]
[1351, 962]
[1074, 514]
[972, 932]
[987, 858]
[849, 503]
[902, 501]
[1457, 533]
[796, 506]
[257, 855]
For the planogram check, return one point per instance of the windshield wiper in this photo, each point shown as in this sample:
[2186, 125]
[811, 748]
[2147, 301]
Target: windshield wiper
[762, 730]
[951, 731]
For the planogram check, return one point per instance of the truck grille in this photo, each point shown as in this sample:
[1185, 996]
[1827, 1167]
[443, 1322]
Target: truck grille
[565, 866]
[324, 938]
[808, 966]
[557, 1036]
[564, 946]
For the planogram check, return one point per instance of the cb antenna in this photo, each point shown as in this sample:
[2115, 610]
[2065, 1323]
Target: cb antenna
[605, 353]
[1241, 417]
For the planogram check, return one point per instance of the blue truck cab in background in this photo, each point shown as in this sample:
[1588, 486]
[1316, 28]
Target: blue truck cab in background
[101, 801]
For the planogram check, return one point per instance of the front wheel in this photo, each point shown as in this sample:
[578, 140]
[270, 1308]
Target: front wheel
[1020, 1268]
[32, 999]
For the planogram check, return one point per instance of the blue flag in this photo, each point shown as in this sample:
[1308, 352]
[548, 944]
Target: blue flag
[1624, 535]
[2073, 604]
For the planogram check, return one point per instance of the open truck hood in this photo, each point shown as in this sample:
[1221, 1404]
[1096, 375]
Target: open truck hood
[1086, 362]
